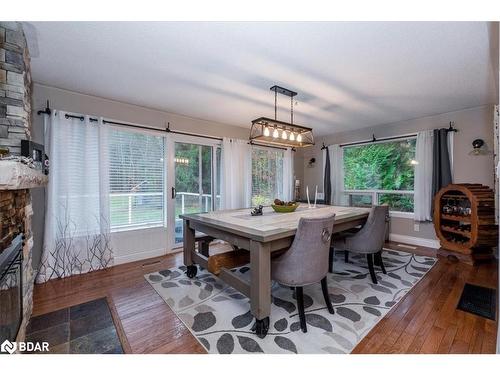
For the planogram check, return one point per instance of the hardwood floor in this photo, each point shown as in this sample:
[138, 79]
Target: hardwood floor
[144, 321]
[425, 321]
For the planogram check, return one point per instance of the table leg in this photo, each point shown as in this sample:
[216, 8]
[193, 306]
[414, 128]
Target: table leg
[260, 285]
[188, 249]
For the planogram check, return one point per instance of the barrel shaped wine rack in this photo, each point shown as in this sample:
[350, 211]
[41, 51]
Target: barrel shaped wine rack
[464, 219]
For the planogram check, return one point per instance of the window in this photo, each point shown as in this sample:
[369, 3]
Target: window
[380, 173]
[267, 175]
[136, 177]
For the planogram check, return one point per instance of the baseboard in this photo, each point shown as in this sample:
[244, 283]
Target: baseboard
[139, 256]
[149, 254]
[426, 242]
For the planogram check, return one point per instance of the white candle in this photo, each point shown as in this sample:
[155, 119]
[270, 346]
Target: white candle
[307, 194]
[315, 196]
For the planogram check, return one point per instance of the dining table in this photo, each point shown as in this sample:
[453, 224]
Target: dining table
[261, 236]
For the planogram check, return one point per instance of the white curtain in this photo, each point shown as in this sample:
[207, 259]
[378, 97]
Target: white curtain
[451, 143]
[288, 181]
[337, 175]
[77, 226]
[423, 176]
[236, 175]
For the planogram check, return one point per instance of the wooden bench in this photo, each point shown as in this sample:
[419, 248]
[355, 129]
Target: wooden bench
[229, 260]
[203, 242]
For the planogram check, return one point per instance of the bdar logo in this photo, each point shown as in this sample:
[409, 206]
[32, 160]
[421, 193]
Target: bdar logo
[8, 347]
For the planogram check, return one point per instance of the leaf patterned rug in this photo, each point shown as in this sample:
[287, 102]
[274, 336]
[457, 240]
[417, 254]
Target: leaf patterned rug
[220, 317]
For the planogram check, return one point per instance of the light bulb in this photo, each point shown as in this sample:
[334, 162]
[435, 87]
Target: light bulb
[283, 135]
[299, 138]
[266, 132]
[292, 136]
[275, 133]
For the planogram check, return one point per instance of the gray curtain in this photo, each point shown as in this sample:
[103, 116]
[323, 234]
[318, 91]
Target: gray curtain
[327, 183]
[441, 167]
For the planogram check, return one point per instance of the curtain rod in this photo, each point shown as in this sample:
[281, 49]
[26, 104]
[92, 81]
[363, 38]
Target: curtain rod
[92, 119]
[167, 130]
[373, 140]
[191, 134]
[450, 128]
[48, 111]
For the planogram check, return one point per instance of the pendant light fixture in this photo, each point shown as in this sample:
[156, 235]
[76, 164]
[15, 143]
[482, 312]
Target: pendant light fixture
[284, 135]
[275, 132]
[265, 130]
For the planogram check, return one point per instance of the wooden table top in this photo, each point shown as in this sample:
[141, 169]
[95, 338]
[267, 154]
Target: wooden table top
[272, 225]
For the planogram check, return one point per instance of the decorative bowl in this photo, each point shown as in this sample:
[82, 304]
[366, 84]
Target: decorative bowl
[283, 208]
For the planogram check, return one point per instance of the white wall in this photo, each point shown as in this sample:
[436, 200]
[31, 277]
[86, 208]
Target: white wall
[128, 245]
[472, 123]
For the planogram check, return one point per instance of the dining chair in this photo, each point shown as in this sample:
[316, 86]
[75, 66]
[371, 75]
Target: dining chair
[306, 261]
[368, 240]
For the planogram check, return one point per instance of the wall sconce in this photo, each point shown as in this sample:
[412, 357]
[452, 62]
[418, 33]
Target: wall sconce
[311, 162]
[479, 148]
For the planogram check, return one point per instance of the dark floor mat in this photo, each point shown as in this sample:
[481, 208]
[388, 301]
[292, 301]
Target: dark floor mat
[86, 328]
[478, 300]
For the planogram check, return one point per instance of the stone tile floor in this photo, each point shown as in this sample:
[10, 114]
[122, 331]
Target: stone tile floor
[87, 328]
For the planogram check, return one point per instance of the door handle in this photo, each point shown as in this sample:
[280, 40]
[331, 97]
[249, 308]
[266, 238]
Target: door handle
[174, 192]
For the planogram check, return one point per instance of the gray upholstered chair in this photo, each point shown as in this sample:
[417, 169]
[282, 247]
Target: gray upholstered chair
[368, 240]
[306, 261]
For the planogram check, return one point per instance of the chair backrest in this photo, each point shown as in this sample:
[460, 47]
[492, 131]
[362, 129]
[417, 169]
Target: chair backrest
[306, 261]
[371, 238]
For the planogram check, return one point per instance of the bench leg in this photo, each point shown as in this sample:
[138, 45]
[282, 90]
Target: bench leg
[203, 248]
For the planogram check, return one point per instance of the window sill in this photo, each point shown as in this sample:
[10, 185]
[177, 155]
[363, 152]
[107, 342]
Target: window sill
[136, 228]
[403, 215]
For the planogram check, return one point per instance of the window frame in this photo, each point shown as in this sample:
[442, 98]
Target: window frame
[375, 193]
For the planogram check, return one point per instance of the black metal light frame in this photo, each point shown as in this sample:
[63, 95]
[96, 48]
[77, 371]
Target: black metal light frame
[260, 124]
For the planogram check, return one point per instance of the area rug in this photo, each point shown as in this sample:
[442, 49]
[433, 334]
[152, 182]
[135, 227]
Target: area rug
[220, 317]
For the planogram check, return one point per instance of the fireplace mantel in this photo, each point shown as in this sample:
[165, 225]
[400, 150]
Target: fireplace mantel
[15, 175]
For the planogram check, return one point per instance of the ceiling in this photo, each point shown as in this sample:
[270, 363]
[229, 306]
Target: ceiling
[348, 75]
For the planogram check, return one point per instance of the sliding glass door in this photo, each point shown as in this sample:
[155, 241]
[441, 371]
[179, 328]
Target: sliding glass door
[194, 183]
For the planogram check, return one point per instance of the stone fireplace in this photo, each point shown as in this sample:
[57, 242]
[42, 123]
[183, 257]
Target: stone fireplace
[16, 177]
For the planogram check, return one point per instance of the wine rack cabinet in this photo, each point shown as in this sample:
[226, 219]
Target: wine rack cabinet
[464, 220]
